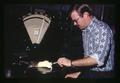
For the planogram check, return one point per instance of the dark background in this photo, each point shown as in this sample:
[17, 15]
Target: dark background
[61, 38]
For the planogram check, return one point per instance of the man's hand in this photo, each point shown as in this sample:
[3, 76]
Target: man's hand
[64, 62]
[73, 75]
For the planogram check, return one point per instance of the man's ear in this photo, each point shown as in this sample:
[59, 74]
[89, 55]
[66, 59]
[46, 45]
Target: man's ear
[85, 14]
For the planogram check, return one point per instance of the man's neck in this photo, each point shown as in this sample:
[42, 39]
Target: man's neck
[89, 21]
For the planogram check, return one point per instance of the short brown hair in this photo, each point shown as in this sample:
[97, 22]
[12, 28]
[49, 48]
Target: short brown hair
[81, 8]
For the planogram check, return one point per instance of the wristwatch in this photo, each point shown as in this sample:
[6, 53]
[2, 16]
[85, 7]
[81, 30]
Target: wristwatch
[72, 64]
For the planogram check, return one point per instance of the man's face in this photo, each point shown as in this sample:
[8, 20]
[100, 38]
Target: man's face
[78, 20]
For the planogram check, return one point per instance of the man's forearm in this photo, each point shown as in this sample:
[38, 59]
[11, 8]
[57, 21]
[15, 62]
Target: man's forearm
[87, 61]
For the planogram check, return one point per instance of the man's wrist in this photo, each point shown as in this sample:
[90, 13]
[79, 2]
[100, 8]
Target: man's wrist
[71, 63]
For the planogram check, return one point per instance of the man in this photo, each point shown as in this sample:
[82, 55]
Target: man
[98, 45]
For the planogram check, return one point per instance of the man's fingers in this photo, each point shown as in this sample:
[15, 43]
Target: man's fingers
[73, 75]
[60, 62]
[64, 62]
[60, 65]
[66, 76]
[69, 76]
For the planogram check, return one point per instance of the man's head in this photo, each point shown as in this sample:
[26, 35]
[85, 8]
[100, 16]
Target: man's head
[81, 15]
